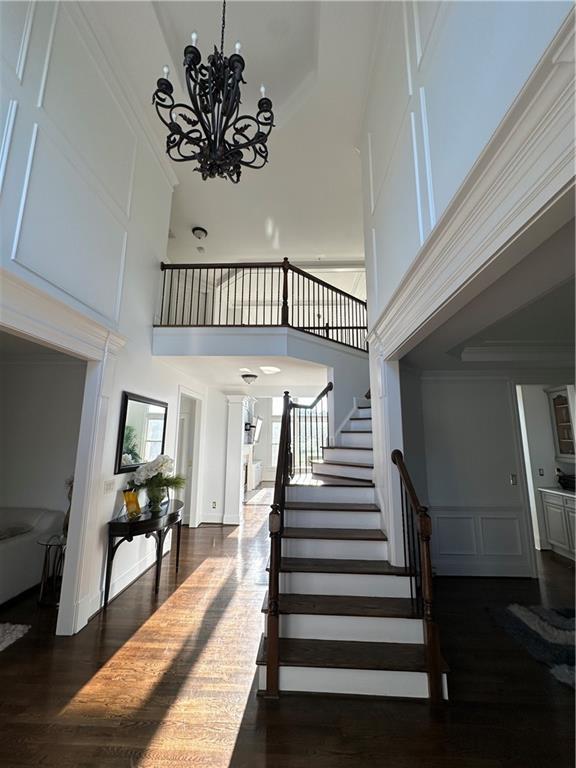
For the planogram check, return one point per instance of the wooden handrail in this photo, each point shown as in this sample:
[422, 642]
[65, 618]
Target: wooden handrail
[328, 388]
[424, 569]
[276, 528]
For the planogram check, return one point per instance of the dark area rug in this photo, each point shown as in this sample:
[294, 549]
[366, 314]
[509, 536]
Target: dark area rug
[547, 634]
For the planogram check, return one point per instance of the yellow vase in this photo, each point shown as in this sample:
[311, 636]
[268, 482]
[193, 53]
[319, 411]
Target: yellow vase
[132, 505]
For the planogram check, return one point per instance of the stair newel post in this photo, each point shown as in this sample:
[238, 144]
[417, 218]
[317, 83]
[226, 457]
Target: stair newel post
[273, 621]
[285, 313]
[430, 629]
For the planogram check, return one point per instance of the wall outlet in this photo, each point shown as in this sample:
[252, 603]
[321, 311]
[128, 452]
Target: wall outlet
[109, 487]
[213, 505]
[541, 472]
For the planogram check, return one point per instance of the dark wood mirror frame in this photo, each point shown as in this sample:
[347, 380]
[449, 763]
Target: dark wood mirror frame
[127, 398]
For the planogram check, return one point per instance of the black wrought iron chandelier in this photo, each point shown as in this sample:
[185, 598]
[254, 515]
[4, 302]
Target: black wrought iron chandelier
[210, 130]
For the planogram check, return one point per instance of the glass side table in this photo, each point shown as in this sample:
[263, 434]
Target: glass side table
[51, 582]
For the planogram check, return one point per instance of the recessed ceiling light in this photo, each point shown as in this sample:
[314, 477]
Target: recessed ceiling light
[269, 369]
[199, 232]
[245, 370]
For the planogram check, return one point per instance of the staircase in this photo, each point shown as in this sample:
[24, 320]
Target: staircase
[346, 620]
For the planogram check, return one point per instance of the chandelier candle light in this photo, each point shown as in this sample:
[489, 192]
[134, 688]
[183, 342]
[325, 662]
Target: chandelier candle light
[210, 131]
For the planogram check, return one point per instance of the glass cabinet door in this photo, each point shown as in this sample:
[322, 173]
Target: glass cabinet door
[563, 431]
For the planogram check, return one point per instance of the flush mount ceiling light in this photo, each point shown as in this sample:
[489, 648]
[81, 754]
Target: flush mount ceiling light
[269, 370]
[249, 378]
[210, 131]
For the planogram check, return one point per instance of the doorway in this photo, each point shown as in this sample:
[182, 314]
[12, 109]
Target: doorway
[187, 454]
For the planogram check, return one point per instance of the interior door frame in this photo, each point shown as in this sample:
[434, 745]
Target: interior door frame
[194, 493]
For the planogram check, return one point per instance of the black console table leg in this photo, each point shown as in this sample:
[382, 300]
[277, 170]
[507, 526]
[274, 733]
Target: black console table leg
[109, 560]
[178, 537]
[159, 536]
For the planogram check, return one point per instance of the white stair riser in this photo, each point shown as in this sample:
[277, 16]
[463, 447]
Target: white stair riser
[360, 584]
[354, 440]
[315, 519]
[331, 493]
[362, 413]
[369, 629]
[361, 402]
[339, 550]
[360, 682]
[362, 425]
[342, 470]
[348, 454]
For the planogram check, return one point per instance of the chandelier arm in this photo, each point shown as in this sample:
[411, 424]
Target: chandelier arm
[194, 100]
[232, 116]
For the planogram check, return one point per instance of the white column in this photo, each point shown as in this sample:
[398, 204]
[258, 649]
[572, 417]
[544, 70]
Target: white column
[387, 436]
[234, 483]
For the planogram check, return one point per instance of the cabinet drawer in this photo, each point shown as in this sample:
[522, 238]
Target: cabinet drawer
[556, 525]
[569, 502]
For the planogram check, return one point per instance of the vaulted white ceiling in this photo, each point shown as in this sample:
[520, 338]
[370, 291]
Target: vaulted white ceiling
[306, 204]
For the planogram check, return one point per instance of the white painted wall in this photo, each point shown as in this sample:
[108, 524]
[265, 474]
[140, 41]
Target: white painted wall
[40, 406]
[85, 205]
[481, 522]
[444, 75]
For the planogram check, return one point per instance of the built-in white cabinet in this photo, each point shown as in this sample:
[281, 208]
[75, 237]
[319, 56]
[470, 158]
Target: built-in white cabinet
[562, 426]
[560, 518]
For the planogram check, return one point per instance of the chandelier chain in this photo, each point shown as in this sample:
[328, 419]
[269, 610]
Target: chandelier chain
[223, 27]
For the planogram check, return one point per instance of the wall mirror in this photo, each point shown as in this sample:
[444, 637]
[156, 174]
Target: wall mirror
[142, 431]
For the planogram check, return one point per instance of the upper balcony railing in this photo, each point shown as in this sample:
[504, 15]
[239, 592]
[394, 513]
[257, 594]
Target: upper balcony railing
[261, 294]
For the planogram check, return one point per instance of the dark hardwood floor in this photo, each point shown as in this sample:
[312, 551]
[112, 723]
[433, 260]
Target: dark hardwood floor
[171, 681]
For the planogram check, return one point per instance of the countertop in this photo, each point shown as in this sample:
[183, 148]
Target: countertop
[559, 491]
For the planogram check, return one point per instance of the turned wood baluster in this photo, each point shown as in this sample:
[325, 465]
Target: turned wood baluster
[430, 628]
[285, 316]
[273, 629]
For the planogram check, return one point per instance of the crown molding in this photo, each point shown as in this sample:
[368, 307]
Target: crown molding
[527, 166]
[552, 354]
[30, 312]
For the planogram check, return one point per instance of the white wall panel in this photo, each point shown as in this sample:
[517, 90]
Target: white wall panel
[390, 89]
[483, 54]
[457, 67]
[397, 233]
[66, 233]
[75, 96]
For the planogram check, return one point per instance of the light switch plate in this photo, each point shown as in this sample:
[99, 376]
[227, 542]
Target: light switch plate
[109, 486]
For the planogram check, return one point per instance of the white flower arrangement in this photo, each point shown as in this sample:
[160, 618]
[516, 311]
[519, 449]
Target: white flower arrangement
[161, 465]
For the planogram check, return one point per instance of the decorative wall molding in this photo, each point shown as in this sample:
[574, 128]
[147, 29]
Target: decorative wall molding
[7, 138]
[132, 109]
[528, 163]
[30, 311]
[550, 354]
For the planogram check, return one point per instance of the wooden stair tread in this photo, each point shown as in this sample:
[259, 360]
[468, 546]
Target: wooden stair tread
[354, 481]
[332, 480]
[348, 654]
[343, 534]
[343, 463]
[331, 506]
[360, 418]
[334, 565]
[346, 447]
[344, 605]
[355, 432]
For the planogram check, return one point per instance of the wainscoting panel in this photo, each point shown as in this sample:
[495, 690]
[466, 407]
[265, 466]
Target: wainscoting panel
[481, 541]
[86, 255]
[75, 91]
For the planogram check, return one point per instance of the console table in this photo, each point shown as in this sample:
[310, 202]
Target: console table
[124, 528]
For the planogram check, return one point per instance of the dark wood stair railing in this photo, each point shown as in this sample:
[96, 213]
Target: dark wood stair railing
[417, 531]
[284, 472]
[259, 294]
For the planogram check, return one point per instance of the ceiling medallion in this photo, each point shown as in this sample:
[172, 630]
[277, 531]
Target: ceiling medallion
[211, 131]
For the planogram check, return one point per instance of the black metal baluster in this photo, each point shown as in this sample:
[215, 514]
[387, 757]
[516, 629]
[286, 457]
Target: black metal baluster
[170, 304]
[163, 295]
